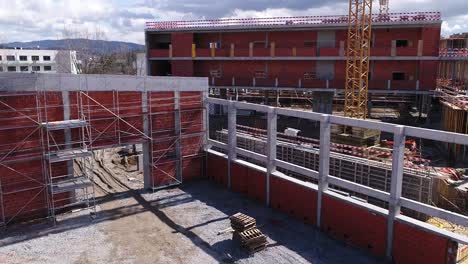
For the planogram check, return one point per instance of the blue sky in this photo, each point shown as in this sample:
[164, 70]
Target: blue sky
[26, 20]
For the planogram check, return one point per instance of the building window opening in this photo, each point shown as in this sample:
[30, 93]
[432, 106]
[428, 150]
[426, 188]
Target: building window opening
[23, 58]
[398, 76]
[47, 68]
[24, 68]
[11, 68]
[35, 58]
[10, 58]
[46, 58]
[309, 44]
[116, 170]
[401, 43]
[36, 68]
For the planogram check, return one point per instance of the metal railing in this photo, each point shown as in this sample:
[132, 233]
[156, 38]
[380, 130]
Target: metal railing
[394, 197]
[462, 52]
[289, 21]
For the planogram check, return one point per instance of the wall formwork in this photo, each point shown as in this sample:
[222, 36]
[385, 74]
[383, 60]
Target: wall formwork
[167, 120]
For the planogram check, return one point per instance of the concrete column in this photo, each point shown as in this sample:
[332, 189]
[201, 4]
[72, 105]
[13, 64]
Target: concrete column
[396, 184]
[420, 47]
[178, 144]
[271, 148]
[232, 54]
[146, 145]
[393, 50]
[68, 137]
[322, 102]
[213, 52]
[206, 120]
[324, 163]
[272, 49]
[342, 48]
[232, 138]
[67, 132]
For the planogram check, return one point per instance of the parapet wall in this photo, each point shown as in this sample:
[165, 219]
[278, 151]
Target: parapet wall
[341, 218]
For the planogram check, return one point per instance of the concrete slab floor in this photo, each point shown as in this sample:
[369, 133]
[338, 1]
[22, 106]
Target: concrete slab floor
[178, 225]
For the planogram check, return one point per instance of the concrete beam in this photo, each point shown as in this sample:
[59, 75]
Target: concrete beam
[301, 58]
[10, 82]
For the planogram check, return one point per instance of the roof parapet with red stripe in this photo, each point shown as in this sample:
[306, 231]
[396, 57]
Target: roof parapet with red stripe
[409, 17]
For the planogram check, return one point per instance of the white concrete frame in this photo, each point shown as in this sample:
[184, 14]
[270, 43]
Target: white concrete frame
[71, 82]
[324, 179]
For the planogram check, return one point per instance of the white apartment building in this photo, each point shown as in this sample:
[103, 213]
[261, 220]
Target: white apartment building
[36, 60]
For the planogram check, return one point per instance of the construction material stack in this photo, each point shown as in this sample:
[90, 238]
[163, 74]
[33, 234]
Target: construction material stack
[246, 232]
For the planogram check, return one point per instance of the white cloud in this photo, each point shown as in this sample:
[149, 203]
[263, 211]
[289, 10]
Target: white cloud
[23, 20]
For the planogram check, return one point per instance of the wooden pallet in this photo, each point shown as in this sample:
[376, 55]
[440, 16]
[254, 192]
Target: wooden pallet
[253, 240]
[241, 222]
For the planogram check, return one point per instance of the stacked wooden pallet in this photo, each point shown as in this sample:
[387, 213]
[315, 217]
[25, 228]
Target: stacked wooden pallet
[241, 222]
[246, 232]
[252, 240]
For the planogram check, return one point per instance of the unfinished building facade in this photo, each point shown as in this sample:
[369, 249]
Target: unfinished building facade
[277, 58]
[50, 120]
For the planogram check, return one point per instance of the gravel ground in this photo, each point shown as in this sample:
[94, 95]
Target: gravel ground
[178, 225]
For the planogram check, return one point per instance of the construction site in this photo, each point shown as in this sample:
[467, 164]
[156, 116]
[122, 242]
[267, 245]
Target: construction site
[313, 139]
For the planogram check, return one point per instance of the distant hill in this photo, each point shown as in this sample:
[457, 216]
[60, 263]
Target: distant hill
[95, 46]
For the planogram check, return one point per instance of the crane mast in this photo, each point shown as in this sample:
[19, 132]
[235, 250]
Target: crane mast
[357, 58]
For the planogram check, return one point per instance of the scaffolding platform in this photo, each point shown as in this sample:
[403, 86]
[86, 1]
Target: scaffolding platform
[64, 155]
[71, 184]
[65, 124]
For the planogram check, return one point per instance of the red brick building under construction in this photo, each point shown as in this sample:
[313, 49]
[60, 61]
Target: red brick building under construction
[296, 52]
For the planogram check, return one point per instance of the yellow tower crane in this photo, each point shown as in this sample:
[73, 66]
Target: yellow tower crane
[357, 58]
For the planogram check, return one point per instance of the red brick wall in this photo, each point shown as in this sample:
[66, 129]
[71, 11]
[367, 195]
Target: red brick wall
[354, 225]
[182, 44]
[413, 245]
[431, 37]
[23, 184]
[293, 199]
[291, 39]
[427, 76]
[383, 69]
[182, 68]
[242, 39]
[217, 168]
